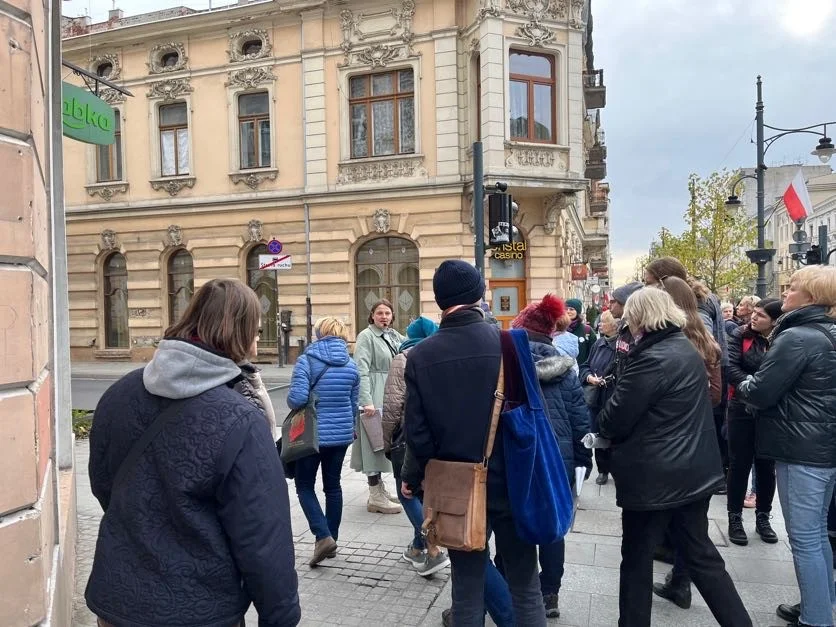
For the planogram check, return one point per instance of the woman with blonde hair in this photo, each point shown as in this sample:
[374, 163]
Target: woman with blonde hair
[665, 460]
[185, 468]
[325, 370]
[794, 393]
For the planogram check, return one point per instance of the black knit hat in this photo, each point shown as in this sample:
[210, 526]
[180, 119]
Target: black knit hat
[771, 306]
[457, 282]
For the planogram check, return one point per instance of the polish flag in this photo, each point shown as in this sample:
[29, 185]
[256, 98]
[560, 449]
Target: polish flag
[797, 199]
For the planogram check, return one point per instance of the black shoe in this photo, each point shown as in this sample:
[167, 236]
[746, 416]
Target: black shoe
[551, 602]
[764, 529]
[789, 613]
[737, 534]
[447, 617]
[602, 478]
[677, 593]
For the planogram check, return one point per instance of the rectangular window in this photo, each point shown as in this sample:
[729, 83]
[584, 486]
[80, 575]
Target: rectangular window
[254, 130]
[382, 114]
[109, 157]
[532, 97]
[174, 139]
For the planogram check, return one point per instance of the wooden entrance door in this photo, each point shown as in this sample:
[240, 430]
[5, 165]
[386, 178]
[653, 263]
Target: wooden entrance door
[507, 300]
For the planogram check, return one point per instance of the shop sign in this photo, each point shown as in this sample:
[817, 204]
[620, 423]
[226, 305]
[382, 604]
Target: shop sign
[86, 118]
[510, 252]
[600, 271]
[579, 272]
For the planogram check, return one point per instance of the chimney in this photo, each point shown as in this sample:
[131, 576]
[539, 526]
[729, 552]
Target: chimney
[115, 14]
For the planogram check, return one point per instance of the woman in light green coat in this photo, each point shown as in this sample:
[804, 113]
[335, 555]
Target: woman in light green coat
[373, 352]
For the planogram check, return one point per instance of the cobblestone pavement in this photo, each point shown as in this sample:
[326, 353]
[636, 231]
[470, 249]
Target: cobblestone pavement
[369, 584]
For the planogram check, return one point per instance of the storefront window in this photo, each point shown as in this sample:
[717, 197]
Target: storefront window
[387, 267]
[266, 288]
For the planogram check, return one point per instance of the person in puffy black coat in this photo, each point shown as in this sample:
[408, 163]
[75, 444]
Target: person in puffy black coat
[665, 461]
[200, 526]
[747, 349]
[794, 393]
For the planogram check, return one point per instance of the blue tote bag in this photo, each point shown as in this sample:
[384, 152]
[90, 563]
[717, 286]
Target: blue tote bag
[539, 491]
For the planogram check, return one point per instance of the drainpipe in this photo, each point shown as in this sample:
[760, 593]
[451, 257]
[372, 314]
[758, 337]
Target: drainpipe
[306, 207]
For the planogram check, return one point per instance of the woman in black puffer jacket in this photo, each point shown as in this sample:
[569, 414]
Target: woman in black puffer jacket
[747, 348]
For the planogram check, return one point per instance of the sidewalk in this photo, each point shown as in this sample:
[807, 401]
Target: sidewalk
[271, 374]
[369, 584]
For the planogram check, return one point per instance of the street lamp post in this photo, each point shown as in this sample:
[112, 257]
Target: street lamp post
[824, 150]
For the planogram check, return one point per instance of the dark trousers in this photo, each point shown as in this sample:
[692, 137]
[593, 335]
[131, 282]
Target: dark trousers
[602, 459]
[642, 532]
[831, 517]
[741, 456]
[519, 561]
[331, 459]
[551, 558]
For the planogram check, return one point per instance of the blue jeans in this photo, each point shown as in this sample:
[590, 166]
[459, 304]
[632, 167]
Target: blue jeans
[331, 459]
[413, 509]
[498, 599]
[806, 493]
[552, 557]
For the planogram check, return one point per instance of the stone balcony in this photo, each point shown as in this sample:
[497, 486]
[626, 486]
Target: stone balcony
[594, 90]
[599, 198]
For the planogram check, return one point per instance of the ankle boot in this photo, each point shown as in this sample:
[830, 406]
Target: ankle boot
[379, 503]
[737, 534]
[677, 590]
[764, 529]
[393, 499]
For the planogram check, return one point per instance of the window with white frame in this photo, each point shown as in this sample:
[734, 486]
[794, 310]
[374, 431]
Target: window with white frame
[109, 156]
[174, 139]
[254, 130]
[382, 113]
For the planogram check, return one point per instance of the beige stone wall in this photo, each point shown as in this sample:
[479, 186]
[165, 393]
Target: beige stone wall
[30, 505]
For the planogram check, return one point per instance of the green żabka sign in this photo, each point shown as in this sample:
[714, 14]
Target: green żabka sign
[87, 118]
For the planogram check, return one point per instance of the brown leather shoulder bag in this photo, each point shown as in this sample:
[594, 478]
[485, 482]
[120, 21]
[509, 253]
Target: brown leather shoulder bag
[455, 493]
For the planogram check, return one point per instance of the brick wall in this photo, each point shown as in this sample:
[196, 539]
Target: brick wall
[32, 531]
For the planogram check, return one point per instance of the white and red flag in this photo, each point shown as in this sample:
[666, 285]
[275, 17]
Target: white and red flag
[797, 199]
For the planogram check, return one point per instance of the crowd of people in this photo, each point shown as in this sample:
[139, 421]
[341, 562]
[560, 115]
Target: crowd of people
[680, 397]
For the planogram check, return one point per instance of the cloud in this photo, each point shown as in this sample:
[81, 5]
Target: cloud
[805, 18]
[624, 266]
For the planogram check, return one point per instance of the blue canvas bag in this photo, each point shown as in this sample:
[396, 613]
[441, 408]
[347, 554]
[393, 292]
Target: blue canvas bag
[539, 491]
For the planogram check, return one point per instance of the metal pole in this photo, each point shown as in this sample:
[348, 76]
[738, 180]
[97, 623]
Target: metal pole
[308, 308]
[760, 285]
[479, 207]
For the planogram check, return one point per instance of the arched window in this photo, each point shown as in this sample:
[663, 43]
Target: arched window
[387, 267]
[265, 285]
[115, 288]
[180, 284]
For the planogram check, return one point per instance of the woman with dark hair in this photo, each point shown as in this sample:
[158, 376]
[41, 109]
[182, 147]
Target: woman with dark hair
[586, 336]
[185, 468]
[376, 346]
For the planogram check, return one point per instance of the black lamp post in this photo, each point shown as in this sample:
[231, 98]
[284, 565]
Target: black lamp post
[824, 150]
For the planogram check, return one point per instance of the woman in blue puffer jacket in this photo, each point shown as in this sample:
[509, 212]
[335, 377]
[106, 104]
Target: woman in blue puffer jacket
[326, 369]
[568, 415]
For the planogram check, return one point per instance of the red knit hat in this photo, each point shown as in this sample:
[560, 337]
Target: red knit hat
[540, 317]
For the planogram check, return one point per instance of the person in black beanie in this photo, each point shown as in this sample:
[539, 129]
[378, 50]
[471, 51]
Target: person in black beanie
[450, 380]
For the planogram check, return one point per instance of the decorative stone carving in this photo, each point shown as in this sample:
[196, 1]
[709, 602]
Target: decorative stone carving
[488, 7]
[111, 96]
[381, 220]
[554, 206]
[254, 179]
[109, 239]
[380, 171]
[539, 9]
[173, 186]
[138, 312]
[145, 341]
[250, 77]
[174, 235]
[255, 231]
[155, 58]
[107, 191]
[377, 27]
[536, 34]
[237, 40]
[532, 157]
[576, 20]
[112, 59]
[169, 89]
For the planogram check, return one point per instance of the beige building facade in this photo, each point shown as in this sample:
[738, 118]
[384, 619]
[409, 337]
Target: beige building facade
[343, 130]
[37, 491]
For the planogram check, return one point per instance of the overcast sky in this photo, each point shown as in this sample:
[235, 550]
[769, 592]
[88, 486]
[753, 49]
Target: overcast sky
[680, 78]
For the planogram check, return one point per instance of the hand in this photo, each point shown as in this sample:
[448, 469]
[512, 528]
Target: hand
[593, 380]
[407, 493]
[368, 411]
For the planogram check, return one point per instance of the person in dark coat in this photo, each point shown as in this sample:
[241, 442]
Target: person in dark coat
[747, 349]
[665, 461]
[199, 527]
[577, 326]
[794, 394]
[569, 418]
[451, 379]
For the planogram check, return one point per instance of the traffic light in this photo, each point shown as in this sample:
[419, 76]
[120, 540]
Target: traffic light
[499, 218]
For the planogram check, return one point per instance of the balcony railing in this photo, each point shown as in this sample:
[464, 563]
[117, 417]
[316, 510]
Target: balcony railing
[599, 198]
[594, 89]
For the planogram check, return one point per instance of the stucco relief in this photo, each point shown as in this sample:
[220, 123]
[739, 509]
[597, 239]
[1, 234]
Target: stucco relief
[532, 157]
[254, 179]
[169, 89]
[108, 239]
[381, 220]
[539, 9]
[107, 192]
[173, 186]
[111, 96]
[536, 34]
[250, 78]
[380, 171]
[388, 33]
[255, 231]
[237, 40]
[156, 63]
[101, 59]
[174, 235]
[488, 8]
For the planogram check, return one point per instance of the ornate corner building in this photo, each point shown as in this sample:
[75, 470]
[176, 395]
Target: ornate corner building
[344, 130]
